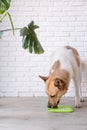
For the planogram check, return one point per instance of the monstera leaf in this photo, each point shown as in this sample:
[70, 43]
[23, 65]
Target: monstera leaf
[4, 5]
[30, 40]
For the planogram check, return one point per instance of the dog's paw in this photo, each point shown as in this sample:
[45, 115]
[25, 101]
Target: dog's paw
[78, 105]
[82, 99]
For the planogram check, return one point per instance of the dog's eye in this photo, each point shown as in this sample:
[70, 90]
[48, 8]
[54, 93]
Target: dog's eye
[52, 96]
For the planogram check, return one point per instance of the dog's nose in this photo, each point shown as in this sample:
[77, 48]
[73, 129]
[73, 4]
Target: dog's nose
[58, 102]
[49, 105]
[55, 105]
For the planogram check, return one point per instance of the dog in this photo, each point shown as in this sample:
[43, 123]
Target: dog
[66, 64]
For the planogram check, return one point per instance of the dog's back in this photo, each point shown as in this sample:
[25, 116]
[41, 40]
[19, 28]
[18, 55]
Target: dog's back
[69, 59]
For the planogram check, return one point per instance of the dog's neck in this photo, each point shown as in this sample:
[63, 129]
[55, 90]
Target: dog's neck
[55, 67]
[56, 71]
[51, 71]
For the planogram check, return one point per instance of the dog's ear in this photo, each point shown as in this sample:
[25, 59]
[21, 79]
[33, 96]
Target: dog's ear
[44, 78]
[59, 83]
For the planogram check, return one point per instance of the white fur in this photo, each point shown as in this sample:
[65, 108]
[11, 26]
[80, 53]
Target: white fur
[68, 62]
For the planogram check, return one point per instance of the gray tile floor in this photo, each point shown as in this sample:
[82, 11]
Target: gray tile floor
[31, 114]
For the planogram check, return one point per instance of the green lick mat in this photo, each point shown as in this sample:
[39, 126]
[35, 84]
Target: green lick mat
[61, 109]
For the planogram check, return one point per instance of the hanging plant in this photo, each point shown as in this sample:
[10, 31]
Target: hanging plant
[30, 40]
[4, 6]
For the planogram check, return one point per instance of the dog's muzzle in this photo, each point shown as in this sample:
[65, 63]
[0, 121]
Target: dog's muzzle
[55, 106]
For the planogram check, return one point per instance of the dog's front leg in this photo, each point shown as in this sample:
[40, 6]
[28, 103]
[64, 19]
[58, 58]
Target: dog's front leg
[77, 84]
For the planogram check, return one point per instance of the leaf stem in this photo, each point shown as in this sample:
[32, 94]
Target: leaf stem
[10, 20]
[9, 29]
[2, 17]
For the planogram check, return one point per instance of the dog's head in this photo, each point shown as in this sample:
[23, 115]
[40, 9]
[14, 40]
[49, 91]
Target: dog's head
[56, 87]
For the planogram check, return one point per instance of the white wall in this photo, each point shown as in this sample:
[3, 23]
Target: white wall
[62, 22]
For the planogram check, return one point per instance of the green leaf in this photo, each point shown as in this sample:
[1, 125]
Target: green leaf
[31, 24]
[33, 43]
[35, 27]
[35, 48]
[4, 5]
[25, 43]
[24, 31]
[40, 49]
[31, 46]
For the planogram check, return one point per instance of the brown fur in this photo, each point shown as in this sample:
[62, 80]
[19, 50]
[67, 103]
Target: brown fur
[76, 54]
[56, 83]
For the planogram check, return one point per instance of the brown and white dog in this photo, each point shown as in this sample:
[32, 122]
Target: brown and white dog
[65, 65]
